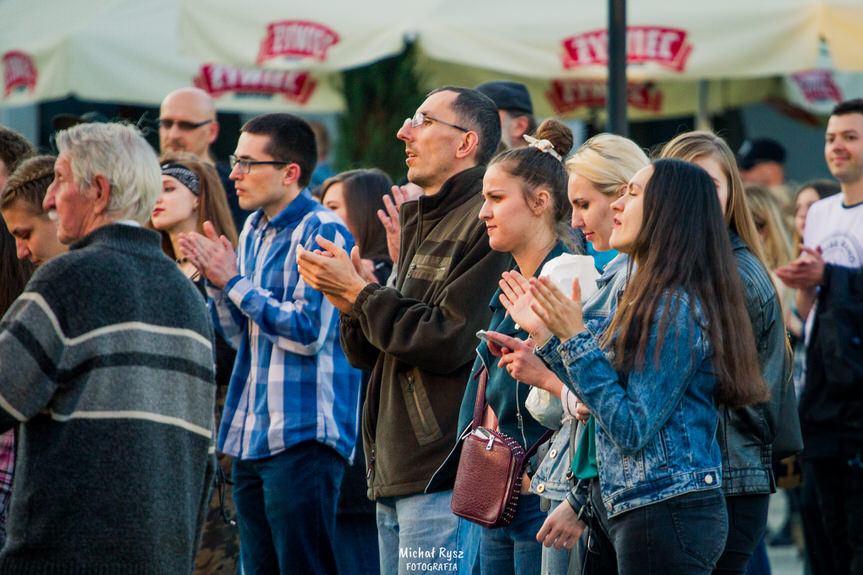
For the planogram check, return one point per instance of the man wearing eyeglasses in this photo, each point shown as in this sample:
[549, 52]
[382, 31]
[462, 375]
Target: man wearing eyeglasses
[419, 337]
[292, 408]
[187, 123]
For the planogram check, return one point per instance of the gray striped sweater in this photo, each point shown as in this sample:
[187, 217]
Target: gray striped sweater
[106, 362]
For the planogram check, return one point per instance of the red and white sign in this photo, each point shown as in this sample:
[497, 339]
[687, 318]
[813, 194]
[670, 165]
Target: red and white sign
[664, 46]
[297, 39]
[217, 79]
[19, 71]
[818, 86]
[568, 95]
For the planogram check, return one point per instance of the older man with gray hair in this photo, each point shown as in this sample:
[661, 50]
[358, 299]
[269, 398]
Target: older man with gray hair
[107, 367]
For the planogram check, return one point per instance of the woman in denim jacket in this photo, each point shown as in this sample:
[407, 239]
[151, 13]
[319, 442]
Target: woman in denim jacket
[746, 435]
[680, 341]
[598, 174]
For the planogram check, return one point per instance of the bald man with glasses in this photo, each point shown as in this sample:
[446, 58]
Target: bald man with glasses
[187, 123]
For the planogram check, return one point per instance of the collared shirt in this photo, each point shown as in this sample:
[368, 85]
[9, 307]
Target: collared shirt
[291, 381]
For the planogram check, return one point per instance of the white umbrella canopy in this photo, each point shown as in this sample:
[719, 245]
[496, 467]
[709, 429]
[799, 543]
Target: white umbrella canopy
[325, 35]
[585, 98]
[127, 51]
[841, 25]
[818, 90]
[558, 48]
[668, 40]
[672, 39]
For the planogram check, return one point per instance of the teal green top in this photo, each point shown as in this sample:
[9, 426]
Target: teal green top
[584, 462]
[600, 306]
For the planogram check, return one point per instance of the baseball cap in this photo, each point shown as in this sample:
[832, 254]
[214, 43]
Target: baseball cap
[758, 150]
[508, 95]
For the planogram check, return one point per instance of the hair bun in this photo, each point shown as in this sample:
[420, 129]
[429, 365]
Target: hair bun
[557, 133]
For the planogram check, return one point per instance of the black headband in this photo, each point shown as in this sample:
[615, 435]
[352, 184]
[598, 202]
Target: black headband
[183, 174]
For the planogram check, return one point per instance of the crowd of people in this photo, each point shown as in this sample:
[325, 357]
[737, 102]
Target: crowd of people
[269, 367]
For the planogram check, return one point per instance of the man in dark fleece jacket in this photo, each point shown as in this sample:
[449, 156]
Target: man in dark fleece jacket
[418, 339]
[106, 363]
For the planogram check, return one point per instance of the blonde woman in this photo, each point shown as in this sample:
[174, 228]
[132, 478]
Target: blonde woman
[770, 225]
[599, 172]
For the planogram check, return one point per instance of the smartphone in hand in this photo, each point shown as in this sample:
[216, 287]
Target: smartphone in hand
[495, 347]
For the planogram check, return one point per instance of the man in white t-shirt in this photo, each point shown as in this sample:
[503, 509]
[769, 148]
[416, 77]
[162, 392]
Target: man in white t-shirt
[829, 279]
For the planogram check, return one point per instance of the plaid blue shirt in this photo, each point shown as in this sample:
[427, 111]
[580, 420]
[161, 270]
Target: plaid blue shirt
[291, 381]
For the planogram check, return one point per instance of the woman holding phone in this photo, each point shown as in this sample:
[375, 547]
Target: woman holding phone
[526, 213]
[599, 172]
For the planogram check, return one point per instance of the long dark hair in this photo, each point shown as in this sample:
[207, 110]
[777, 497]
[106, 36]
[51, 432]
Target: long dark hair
[684, 244]
[363, 192]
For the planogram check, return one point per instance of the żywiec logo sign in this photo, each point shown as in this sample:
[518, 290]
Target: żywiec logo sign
[818, 86]
[217, 79]
[297, 39]
[664, 46]
[569, 95]
[19, 71]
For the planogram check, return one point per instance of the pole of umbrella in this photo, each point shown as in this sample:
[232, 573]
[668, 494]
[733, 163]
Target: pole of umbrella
[617, 89]
[702, 113]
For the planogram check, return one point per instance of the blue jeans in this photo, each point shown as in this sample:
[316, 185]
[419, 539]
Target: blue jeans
[759, 563]
[357, 544]
[747, 521]
[286, 510]
[419, 534]
[839, 485]
[555, 561]
[684, 534]
[514, 550]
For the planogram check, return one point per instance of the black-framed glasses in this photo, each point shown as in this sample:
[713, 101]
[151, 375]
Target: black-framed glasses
[246, 165]
[168, 123]
[419, 119]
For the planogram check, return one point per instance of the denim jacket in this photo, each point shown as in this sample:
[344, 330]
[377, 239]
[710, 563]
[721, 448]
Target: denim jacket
[551, 479]
[746, 434]
[656, 437]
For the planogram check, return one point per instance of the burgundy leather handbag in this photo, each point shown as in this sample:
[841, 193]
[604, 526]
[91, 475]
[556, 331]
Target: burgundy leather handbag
[490, 468]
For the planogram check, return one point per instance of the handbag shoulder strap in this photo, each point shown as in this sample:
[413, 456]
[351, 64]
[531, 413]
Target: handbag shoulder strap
[479, 407]
[543, 438]
[479, 404]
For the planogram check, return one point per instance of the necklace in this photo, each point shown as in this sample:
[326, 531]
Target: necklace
[181, 261]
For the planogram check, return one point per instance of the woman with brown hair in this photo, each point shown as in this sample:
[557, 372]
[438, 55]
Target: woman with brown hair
[527, 214]
[21, 204]
[356, 196]
[192, 194]
[746, 436]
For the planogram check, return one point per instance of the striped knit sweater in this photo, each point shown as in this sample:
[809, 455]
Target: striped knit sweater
[107, 363]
